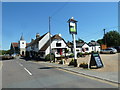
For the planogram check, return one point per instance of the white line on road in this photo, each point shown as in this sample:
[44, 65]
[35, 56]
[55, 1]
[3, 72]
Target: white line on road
[25, 69]
[28, 71]
[20, 64]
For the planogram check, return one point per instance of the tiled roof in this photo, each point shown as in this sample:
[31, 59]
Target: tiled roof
[79, 44]
[70, 44]
[48, 43]
[27, 44]
[14, 44]
[56, 37]
[36, 40]
[72, 20]
[93, 44]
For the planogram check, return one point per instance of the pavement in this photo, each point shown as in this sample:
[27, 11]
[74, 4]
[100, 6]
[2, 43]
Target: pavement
[0, 75]
[0, 65]
[107, 76]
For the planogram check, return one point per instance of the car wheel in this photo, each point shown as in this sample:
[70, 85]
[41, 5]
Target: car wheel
[111, 52]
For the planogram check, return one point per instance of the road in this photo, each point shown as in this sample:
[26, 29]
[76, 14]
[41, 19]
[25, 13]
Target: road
[19, 73]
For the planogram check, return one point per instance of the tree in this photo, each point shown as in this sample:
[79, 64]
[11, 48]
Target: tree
[2, 52]
[100, 41]
[112, 38]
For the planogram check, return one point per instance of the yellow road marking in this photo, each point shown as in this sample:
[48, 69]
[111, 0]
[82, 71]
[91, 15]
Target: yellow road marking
[103, 81]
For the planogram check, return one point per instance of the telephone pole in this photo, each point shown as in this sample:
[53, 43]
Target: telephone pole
[50, 35]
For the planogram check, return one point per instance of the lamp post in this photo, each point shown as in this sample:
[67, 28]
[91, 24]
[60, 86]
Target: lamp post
[104, 36]
[73, 31]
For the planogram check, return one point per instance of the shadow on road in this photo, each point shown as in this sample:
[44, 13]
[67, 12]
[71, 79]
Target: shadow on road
[53, 67]
[48, 67]
[34, 59]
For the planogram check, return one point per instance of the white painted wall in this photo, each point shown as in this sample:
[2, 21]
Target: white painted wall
[63, 45]
[22, 44]
[98, 48]
[53, 45]
[40, 44]
[94, 48]
[91, 48]
[43, 41]
[86, 46]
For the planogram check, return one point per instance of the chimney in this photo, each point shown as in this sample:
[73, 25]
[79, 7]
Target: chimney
[32, 40]
[37, 35]
[60, 35]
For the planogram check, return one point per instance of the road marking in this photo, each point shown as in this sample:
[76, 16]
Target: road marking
[24, 68]
[20, 64]
[103, 81]
[28, 71]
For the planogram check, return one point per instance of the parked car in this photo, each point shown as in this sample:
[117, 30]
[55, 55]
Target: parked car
[117, 48]
[14, 55]
[109, 50]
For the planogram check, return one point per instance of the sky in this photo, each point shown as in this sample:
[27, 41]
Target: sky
[29, 18]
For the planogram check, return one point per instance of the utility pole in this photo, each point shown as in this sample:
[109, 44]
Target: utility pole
[50, 35]
[104, 36]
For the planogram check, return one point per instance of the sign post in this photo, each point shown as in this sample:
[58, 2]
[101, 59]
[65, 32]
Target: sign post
[95, 61]
[73, 31]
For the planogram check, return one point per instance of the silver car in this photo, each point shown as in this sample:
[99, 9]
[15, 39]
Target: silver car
[109, 50]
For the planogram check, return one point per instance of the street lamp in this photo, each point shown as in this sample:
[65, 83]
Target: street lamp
[73, 31]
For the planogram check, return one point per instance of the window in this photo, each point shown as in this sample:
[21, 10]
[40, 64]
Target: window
[22, 42]
[86, 49]
[58, 44]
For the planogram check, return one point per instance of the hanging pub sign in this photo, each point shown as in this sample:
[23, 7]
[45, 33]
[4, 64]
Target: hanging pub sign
[95, 61]
[72, 26]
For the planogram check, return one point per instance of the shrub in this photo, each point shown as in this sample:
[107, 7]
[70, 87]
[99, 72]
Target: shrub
[71, 62]
[86, 53]
[71, 55]
[47, 57]
[79, 55]
[83, 65]
[66, 50]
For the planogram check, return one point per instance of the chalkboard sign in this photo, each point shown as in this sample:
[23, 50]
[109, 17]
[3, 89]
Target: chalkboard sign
[95, 61]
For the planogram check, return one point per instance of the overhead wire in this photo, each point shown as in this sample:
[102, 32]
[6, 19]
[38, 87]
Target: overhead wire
[59, 9]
